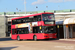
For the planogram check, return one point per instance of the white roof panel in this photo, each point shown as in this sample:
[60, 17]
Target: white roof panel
[69, 21]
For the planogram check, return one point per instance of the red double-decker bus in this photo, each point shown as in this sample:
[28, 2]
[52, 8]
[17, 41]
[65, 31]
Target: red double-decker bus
[35, 26]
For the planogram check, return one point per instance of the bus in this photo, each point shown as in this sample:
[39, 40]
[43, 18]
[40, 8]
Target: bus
[34, 26]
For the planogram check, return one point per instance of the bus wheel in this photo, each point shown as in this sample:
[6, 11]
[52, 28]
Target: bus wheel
[35, 38]
[18, 38]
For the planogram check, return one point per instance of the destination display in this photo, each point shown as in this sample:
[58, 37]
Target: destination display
[49, 22]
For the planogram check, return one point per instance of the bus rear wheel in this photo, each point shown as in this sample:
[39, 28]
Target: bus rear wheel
[35, 38]
[18, 38]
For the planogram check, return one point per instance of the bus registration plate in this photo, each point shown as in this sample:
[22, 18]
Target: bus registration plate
[50, 37]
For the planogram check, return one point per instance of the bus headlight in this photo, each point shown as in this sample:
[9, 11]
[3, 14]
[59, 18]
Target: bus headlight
[45, 36]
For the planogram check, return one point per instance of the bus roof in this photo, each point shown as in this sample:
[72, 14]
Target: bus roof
[32, 15]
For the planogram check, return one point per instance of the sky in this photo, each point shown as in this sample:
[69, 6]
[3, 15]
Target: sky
[43, 5]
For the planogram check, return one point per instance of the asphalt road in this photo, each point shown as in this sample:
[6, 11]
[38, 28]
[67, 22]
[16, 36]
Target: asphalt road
[9, 44]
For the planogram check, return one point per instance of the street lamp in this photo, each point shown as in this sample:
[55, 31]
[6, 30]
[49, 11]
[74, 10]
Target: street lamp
[36, 8]
[58, 7]
[19, 12]
[16, 10]
[46, 8]
[25, 6]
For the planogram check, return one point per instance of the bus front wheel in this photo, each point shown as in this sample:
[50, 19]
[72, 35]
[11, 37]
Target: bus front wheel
[35, 38]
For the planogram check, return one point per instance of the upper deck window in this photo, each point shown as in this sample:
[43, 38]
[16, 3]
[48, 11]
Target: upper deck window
[14, 21]
[19, 21]
[37, 18]
[27, 19]
[47, 17]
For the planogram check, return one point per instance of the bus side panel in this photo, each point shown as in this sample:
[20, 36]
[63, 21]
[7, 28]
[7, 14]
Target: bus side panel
[30, 36]
[14, 37]
[13, 26]
[54, 35]
[26, 36]
[40, 35]
[45, 36]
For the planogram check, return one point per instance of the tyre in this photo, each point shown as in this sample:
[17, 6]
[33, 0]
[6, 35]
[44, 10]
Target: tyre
[18, 38]
[35, 38]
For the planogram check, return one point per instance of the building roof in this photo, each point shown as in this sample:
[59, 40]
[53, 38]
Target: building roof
[69, 21]
[59, 22]
[34, 12]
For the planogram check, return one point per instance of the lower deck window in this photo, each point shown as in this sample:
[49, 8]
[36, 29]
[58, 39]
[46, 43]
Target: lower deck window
[49, 29]
[13, 31]
[22, 31]
[37, 29]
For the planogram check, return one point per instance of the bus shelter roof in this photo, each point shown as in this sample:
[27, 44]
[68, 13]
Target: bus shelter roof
[59, 22]
[69, 21]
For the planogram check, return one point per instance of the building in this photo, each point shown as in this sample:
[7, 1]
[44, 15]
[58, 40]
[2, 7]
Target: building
[2, 26]
[60, 16]
[5, 24]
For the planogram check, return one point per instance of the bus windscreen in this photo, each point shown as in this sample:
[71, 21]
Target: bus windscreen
[47, 17]
[49, 29]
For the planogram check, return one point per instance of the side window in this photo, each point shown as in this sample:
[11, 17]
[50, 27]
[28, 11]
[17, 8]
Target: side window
[19, 21]
[22, 31]
[14, 21]
[23, 20]
[31, 19]
[37, 29]
[13, 31]
[18, 31]
[39, 17]
[35, 19]
[26, 31]
[28, 20]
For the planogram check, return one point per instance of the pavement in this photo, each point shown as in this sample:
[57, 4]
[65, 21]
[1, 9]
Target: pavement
[53, 44]
[68, 39]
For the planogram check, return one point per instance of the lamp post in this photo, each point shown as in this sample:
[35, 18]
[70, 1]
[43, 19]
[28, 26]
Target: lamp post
[25, 6]
[16, 10]
[46, 8]
[19, 12]
[58, 7]
[36, 8]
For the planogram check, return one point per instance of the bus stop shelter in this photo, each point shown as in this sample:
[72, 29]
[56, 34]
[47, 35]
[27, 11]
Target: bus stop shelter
[69, 27]
[68, 24]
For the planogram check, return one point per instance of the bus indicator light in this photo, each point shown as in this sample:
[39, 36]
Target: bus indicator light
[40, 27]
[43, 34]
